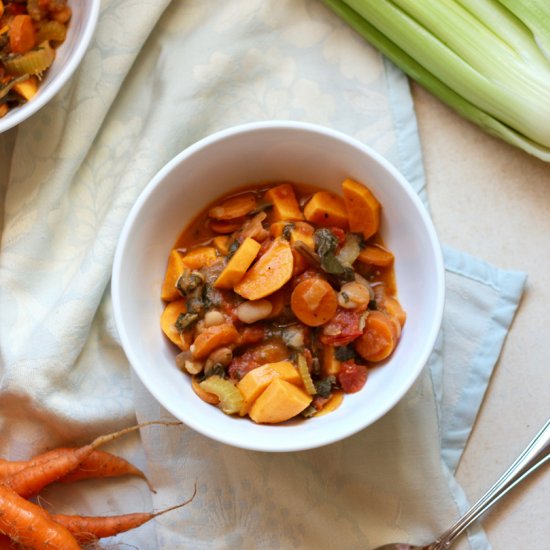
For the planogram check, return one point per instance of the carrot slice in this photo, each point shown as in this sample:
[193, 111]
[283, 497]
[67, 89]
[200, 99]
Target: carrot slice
[269, 273]
[21, 34]
[226, 226]
[212, 338]
[378, 339]
[362, 207]
[234, 207]
[377, 255]
[314, 302]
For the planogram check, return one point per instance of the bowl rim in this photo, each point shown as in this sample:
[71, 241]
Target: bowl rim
[157, 179]
[28, 109]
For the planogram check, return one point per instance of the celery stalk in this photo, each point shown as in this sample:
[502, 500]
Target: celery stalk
[511, 102]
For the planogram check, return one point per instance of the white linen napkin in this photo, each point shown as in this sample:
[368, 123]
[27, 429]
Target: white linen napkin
[158, 76]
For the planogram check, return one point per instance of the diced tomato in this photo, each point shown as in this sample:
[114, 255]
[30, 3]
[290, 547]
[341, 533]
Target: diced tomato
[319, 402]
[240, 366]
[253, 334]
[340, 234]
[271, 351]
[352, 377]
[344, 327]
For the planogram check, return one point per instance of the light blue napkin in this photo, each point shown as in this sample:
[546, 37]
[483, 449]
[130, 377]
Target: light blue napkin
[155, 80]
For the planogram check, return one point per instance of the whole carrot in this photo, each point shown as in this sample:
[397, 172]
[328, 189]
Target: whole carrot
[32, 479]
[99, 464]
[28, 524]
[91, 528]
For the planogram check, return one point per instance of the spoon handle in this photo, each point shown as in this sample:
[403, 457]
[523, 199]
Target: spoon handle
[535, 454]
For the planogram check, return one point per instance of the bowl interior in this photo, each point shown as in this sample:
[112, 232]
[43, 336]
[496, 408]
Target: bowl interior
[253, 154]
[67, 58]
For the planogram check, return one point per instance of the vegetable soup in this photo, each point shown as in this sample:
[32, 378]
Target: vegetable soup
[29, 33]
[281, 297]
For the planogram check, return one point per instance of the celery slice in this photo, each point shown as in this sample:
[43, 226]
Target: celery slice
[304, 374]
[231, 399]
[35, 61]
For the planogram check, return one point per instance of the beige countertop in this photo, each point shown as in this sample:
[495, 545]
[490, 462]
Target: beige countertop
[493, 201]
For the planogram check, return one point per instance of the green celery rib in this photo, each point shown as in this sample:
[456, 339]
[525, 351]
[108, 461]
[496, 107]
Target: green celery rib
[535, 14]
[503, 23]
[512, 95]
[426, 79]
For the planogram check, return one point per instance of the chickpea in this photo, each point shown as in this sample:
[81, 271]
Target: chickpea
[220, 356]
[354, 295]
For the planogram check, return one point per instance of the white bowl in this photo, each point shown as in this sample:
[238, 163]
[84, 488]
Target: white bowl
[67, 58]
[259, 152]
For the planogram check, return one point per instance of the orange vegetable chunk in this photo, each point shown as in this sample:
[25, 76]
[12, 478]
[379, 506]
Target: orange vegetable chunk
[362, 207]
[212, 338]
[174, 269]
[285, 205]
[168, 319]
[280, 401]
[377, 255]
[202, 256]
[226, 226]
[331, 366]
[21, 34]
[378, 339]
[326, 209]
[221, 243]
[27, 88]
[238, 264]
[234, 207]
[256, 381]
[269, 273]
[314, 301]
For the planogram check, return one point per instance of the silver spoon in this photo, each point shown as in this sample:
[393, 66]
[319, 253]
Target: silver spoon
[534, 455]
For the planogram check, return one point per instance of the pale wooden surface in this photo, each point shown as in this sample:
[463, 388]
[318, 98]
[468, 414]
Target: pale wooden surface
[493, 201]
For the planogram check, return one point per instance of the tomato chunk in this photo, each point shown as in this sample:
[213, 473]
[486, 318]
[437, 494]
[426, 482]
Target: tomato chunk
[343, 328]
[352, 377]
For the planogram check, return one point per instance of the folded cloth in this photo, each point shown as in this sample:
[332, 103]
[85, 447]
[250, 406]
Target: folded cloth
[155, 80]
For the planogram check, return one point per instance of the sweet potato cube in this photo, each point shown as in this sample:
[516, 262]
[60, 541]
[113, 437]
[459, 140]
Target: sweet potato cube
[362, 207]
[238, 264]
[256, 381]
[168, 320]
[326, 209]
[280, 401]
[174, 269]
[285, 205]
[202, 256]
[276, 228]
[27, 88]
[377, 255]
[221, 243]
[269, 273]
[302, 231]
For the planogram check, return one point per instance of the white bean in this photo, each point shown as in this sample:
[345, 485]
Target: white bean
[213, 318]
[254, 310]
